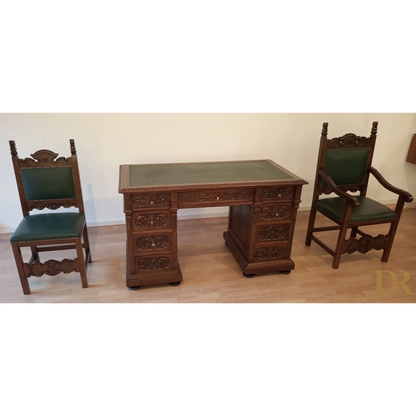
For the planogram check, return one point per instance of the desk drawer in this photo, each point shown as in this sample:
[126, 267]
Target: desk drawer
[152, 243]
[271, 233]
[153, 264]
[275, 212]
[208, 198]
[152, 200]
[151, 221]
[277, 194]
[268, 253]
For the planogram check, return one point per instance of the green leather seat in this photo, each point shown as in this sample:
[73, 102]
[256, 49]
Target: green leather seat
[58, 225]
[367, 210]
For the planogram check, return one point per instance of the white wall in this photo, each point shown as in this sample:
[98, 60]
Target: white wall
[105, 141]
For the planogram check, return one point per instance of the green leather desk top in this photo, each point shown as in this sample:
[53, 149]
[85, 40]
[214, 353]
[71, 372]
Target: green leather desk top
[205, 173]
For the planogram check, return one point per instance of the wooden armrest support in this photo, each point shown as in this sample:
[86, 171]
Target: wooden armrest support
[349, 198]
[407, 197]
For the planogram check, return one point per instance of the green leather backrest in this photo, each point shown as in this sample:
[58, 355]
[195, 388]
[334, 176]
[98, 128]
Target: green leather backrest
[48, 183]
[346, 166]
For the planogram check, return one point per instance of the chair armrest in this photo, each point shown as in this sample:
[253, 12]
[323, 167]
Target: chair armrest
[349, 198]
[407, 197]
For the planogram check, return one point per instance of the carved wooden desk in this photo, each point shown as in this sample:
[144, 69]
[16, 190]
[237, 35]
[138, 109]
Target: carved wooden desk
[263, 198]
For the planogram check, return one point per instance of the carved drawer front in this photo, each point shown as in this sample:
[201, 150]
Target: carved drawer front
[211, 198]
[142, 221]
[151, 243]
[152, 200]
[274, 212]
[277, 194]
[271, 233]
[270, 253]
[152, 264]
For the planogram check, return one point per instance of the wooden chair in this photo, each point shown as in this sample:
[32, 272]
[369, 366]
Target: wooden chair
[344, 165]
[49, 182]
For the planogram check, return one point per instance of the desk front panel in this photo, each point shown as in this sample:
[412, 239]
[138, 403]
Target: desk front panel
[211, 198]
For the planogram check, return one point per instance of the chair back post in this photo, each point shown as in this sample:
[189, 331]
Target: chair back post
[372, 144]
[77, 180]
[321, 160]
[19, 181]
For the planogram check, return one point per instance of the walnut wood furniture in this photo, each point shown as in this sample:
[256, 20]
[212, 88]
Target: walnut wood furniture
[344, 165]
[46, 181]
[411, 156]
[263, 199]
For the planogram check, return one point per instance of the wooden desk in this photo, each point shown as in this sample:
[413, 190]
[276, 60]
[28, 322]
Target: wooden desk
[263, 198]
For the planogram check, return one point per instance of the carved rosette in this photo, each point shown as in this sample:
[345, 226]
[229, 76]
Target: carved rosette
[51, 205]
[270, 253]
[349, 140]
[276, 193]
[153, 263]
[151, 220]
[275, 212]
[366, 243]
[274, 233]
[157, 200]
[152, 242]
[50, 267]
[216, 196]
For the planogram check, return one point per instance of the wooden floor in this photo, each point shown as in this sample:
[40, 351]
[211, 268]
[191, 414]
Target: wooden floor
[210, 273]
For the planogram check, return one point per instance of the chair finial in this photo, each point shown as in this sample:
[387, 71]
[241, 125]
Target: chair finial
[325, 130]
[374, 128]
[13, 149]
[73, 149]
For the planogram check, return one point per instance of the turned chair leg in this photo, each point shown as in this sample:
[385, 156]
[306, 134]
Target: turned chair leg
[20, 269]
[354, 231]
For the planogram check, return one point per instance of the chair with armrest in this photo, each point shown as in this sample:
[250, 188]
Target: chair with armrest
[344, 165]
[47, 181]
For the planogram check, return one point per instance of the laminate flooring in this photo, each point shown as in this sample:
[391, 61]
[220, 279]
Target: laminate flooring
[211, 274]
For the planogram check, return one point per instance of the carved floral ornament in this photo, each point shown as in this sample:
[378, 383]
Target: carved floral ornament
[270, 253]
[51, 205]
[152, 242]
[277, 193]
[346, 188]
[50, 267]
[153, 263]
[275, 212]
[366, 243]
[348, 140]
[151, 200]
[44, 158]
[151, 220]
[274, 233]
[216, 196]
